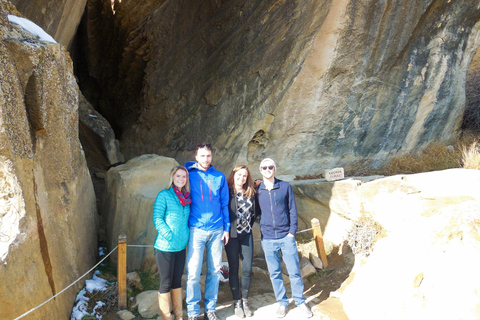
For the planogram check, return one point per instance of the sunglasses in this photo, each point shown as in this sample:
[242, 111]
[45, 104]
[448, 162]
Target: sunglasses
[269, 167]
[201, 146]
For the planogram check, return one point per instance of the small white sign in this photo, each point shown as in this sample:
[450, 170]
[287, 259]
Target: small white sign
[334, 174]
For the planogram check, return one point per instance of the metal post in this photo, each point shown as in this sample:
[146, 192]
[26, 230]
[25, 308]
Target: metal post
[317, 235]
[122, 272]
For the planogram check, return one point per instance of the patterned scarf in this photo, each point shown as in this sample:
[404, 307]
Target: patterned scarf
[184, 198]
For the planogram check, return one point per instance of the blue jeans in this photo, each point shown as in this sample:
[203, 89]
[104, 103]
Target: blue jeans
[288, 248]
[199, 239]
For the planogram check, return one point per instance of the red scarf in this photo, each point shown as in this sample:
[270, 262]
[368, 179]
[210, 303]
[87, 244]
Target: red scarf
[184, 198]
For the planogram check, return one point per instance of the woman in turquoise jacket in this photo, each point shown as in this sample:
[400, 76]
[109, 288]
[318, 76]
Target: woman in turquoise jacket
[170, 217]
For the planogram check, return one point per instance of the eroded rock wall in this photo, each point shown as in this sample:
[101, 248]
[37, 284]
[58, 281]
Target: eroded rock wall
[47, 212]
[314, 84]
[59, 18]
[472, 113]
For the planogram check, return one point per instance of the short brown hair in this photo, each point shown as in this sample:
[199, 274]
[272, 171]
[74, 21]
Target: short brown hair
[203, 146]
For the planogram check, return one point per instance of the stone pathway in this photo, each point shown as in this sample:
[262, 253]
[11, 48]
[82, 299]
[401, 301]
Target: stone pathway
[264, 307]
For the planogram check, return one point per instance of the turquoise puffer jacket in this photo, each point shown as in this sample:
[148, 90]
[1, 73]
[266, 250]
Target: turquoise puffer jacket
[170, 219]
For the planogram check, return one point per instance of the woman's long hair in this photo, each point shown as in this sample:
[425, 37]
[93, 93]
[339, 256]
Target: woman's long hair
[248, 188]
[186, 187]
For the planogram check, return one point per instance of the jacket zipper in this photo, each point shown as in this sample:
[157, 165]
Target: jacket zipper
[271, 209]
[210, 190]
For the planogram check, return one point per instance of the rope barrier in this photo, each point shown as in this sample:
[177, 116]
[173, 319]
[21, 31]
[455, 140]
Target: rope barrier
[95, 266]
[140, 245]
[151, 246]
[86, 273]
[305, 230]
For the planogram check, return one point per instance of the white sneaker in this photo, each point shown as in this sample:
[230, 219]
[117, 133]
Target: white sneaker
[306, 310]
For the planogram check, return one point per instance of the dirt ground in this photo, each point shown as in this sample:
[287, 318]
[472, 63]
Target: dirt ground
[319, 285]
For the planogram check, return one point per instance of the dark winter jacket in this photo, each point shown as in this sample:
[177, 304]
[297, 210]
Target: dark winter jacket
[278, 210]
[209, 193]
[232, 209]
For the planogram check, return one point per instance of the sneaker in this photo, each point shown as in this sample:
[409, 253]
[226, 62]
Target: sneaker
[238, 308]
[281, 311]
[305, 310]
[246, 309]
[211, 315]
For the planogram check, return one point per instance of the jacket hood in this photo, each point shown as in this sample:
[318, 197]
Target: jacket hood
[193, 165]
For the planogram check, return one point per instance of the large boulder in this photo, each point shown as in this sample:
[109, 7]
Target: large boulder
[48, 220]
[416, 239]
[97, 136]
[314, 84]
[130, 194]
[426, 267]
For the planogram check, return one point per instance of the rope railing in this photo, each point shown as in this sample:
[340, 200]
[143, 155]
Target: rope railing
[122, 265]
[122, 258]
[66, 288]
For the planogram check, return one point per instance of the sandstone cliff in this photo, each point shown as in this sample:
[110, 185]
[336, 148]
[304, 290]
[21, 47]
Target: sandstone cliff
[48, 228]
[60, 19]
[314, 84]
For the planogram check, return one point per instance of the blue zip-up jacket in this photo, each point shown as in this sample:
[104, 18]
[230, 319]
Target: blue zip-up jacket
[209, 192]
[170, 219]
[278, 210]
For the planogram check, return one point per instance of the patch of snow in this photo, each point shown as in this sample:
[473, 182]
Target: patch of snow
[80, 309]
[81, 302]
[12, 207]
[96, 284]
[31, 27]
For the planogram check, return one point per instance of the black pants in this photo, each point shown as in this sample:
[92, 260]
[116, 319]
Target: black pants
[236, 249]
[170, 266]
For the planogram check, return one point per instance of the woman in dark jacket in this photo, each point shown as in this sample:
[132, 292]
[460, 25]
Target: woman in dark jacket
[242, 210]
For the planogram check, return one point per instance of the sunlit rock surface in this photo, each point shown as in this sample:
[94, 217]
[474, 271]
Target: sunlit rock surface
[47, 213]
[131, 190]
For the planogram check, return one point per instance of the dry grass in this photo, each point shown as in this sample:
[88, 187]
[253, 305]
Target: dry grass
[437, 156]
[471, 156]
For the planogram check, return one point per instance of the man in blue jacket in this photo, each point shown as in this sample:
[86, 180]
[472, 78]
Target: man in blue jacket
[209, 225]
[278, 225]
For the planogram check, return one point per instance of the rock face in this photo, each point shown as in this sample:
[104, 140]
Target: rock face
[314, 84]
[430, 227]
[472, 112]
[48, 221]
[59, 18]
[97, 136]
[131, 192]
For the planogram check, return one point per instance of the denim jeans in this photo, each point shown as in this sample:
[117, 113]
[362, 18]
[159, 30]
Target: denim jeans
[198, 241]
[288, 248]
